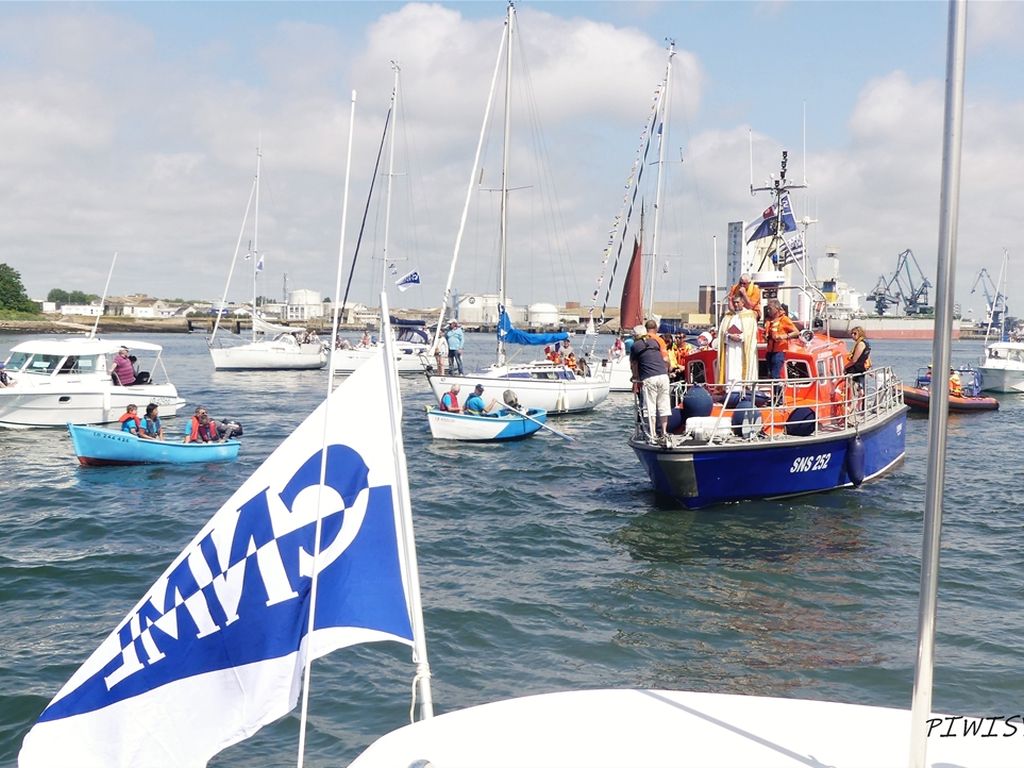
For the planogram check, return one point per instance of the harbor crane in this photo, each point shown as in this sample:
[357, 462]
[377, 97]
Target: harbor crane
[902, 288]
[995, 302]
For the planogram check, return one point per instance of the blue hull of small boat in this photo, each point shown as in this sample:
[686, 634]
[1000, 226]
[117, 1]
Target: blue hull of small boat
[95, 446]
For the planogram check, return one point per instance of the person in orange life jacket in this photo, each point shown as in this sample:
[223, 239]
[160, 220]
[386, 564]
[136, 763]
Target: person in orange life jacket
[204, 429]
[747, 295]
[450, 400]
[858, 362]
[152, 429]
[779, 329]
[130, 421]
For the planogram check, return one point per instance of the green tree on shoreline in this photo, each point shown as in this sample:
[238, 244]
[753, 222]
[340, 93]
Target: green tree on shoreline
[12, 292]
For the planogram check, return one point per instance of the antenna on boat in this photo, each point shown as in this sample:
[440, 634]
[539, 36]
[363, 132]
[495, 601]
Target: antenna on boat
[103, 300]
[314, 574]
[949, 212]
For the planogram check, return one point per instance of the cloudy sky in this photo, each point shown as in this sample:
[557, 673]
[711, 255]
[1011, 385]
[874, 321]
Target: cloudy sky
[133, 127]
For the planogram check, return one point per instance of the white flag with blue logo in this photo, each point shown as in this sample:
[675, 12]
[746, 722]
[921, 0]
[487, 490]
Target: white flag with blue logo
[259, 264]
[215, 649]
[405, 282]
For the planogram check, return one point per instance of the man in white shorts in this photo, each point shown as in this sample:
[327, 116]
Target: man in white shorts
[649, 360]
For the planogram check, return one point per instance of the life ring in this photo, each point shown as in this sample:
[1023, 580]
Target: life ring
[838, 398]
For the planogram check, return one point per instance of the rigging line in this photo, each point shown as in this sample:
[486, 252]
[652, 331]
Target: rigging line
[362, 224]
[628, 203]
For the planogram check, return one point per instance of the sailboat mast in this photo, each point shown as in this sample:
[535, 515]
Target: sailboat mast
[662, 141]
[256, 238]
[503, 263]
[391, 180]
[949, 214]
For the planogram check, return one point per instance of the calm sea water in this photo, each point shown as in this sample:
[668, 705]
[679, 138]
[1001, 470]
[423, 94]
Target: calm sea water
[546, 565]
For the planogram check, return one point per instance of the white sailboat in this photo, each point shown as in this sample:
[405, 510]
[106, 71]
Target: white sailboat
[545, 385]
[411, 343]
[273, 347]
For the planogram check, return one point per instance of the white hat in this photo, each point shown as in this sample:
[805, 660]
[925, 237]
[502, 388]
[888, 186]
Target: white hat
[639, 330]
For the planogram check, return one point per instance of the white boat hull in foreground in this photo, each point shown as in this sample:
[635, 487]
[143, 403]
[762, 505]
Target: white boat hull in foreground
[277, 355]
[669, 729]
[551, 388]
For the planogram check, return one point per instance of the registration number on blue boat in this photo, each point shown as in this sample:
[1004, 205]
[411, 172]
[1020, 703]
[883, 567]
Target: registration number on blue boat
[810, 463]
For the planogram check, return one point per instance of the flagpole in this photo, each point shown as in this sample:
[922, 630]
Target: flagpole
[405, 530]
[307, 643]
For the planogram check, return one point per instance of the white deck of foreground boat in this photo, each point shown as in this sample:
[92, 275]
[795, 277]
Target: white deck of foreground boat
[651, 729]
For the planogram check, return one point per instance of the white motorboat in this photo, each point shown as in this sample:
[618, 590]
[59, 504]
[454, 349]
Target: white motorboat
[411, 349]
[1002, 369]
[57, 381]
[273, 347]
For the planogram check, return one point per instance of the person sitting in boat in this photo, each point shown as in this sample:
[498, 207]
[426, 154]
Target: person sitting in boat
[618, 350]
[152, 429]
[204, 429]
[130, 421]
[747, 294]
[5, 380]
[124, 368]
[475, 402]
[570, 361]
[365, 341]
[582, 366]
[956, 387]
[450, 400]
[706, 339]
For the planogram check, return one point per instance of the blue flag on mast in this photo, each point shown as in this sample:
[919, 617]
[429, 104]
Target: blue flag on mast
[215, 649]
[407, 281]
[769, 222]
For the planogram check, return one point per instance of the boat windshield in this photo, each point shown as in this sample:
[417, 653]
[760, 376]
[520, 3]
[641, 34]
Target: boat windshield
[43, 365]
[17, 361]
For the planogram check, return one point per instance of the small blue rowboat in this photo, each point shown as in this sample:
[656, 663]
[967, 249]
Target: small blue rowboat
[490, 427]
[97, 447]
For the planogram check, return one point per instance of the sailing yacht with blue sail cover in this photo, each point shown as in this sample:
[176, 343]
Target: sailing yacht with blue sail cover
[552, 387]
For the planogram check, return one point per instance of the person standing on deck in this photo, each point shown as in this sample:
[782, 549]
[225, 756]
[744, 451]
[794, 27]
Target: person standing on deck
[650, 375]
[747, 295]
[456, 340]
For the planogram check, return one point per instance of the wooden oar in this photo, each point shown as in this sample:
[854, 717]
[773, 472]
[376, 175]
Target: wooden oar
[524, 414]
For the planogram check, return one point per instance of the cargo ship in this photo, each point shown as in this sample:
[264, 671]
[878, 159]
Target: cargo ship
[842, 310]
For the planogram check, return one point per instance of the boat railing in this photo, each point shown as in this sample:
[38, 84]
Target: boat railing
[778, 409]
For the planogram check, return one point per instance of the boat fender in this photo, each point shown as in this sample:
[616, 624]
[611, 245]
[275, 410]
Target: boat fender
[746, 420]
[801, 422]
[855, 460]
[696, 403]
